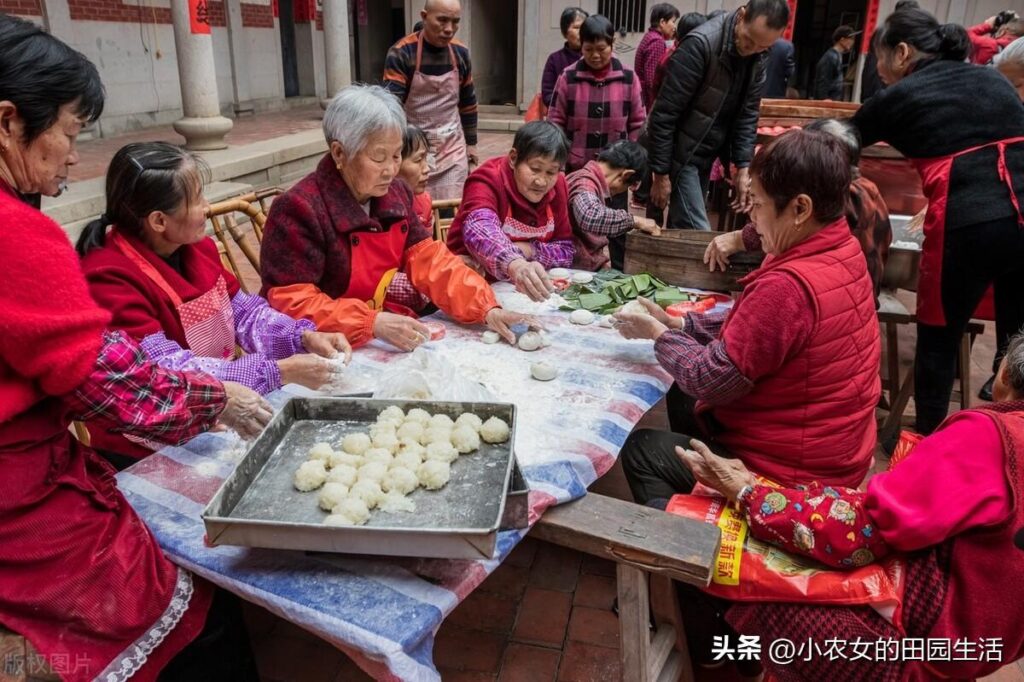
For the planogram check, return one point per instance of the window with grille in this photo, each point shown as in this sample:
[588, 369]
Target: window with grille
[627, 16]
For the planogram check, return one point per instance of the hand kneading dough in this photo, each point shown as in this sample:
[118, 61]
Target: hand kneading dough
[373, 471]
[331, 495]
[344, 474]
[354, 509]
[412, 430]
[407, 459]
[434, 474]
[356, 443]
[634, 308]
[378, 455]
[396, 502]
[418, 415]
[436, 434]
[392, 413]
[494, 430]
[401, 480]
[343, 458]
[442, 452]
[465, 439]
[441, 421]
[469, 419]
[310, 475]
[387, 441]
[321, 451]
[368, 491]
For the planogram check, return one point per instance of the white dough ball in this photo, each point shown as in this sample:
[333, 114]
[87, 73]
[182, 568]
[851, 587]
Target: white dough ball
[342, 458]
[542, 371]
[420, 415]
[436, 434]
[354, 509]
[413, 447]
[331, 495]
[337, 520]
[469, 419]
[441, 421]
[494, 430]
[321, 451]
[368, 491]
[391, 413]
[396, 502]
[355, 443]
[387, 441]
[401, 480]
[378, 430]
[634, 308]
[582, 277]
[581, 316]
[442, 452]
[489, 337]
[413, 430]
[310, 475]
[559, 273]
[530, 341]
[465, 439]
[344, 474]
[378, 455]
[407, 459]
[373, 471]
[434, 474]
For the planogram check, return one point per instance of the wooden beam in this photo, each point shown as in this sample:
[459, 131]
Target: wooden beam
[634, 620]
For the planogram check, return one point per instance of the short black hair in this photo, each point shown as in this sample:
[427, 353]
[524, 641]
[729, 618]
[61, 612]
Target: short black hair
[906, 4]
[843, 32]
[688, 22]
[775, 12]
[663, 11]
[923, 32]
[626, 155]
[596, 28]
[569, 15]
[40, 74]
[540, 138]
[413, 139]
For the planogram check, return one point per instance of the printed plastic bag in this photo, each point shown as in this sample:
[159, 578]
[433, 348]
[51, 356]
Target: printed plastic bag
[424, 375]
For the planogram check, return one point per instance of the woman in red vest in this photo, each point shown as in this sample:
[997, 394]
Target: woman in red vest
[964, 536]
[787, 381]
[149, 262]
[81, 577]
[334, 242]
[962, 126]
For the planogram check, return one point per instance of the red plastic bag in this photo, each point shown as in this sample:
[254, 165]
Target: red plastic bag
[537, 111]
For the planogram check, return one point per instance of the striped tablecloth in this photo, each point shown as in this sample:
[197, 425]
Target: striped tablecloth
[384, 612]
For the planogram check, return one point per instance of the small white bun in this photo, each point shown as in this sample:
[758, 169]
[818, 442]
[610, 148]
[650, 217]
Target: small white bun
[408, 459]
[368, 491]
[434, 474]
[465, 439]
[337, 520]
[401, 480]
[441, 421]
[373, 471]
[331, 495]
[469, 419]
[321, 451]
[396, 502]
[391, 413]
[413, 430]
[342, 458]
[490, 337]
[442, 452]
[559, 273]
[581, 316]
[344, 474]
[355, 443]
[387, 441]
[530, 341]
[543, 371]
[494, 430]
[582, 277]
[417, 414]
[634, 308]
[310, 475]
[354, 509]
[436, 434]
[378, 455]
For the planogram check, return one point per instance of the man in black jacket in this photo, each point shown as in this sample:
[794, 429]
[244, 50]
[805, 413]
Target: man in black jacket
[828, 74]
[708, 107]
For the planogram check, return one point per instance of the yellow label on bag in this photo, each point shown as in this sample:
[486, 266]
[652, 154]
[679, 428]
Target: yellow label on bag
[734, 532]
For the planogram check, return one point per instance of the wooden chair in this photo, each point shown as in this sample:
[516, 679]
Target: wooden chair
[223, 217]
[441, 225]
[643, 543]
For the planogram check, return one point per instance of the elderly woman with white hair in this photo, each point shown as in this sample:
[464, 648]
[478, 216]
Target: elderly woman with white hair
[1010, 63]
[345, 249]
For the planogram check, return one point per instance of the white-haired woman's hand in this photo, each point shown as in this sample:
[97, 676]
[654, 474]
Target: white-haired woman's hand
[531, 279]
[727, 476]
[246, 412]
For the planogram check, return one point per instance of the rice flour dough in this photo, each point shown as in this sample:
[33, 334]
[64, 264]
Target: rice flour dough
[434, 474]
[465, 439]
[355, 443]
[494, 430]
[310, 475]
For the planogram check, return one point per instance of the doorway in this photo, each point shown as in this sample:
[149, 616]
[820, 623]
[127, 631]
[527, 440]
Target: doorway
[812, 36]
[494, 44]
[379, 25]
[289, 56]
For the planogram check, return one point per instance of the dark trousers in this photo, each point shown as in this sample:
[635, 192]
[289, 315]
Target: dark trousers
[974, 257]
[221, 652]
[617, 245]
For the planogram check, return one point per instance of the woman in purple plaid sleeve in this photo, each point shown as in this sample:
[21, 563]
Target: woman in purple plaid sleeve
[149, 262]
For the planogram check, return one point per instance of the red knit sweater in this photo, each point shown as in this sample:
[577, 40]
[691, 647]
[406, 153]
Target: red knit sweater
[50, 329]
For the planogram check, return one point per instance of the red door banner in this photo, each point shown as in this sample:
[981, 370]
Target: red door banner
[362, 15]
[788, 33]
[199, 17]
[870, 23]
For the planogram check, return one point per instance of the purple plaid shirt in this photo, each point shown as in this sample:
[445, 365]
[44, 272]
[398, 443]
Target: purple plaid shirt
[134, 396]
[487, 242]
[263, 333]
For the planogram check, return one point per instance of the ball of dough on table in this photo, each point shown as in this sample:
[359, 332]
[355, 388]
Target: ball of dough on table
[355, 443]
[373, 471]
[310, 475]
[401, 480]
[581, 316]
[530, 341]
[396, 502]
[465, 439]
[582, 277]
[634, 307]
[442, 452]
[408, 459]
[340, 458]
[412, 430]
[434, 474]
[494, 430]
[381, 455]
[354, 509]
[436, 434]
[391, 413]
[441, 421]
[343, 474]
[490, 337]
[368, 491]
[387, 441]
[331, 495]
[469, 419]
[321, 451]
[543, 371]
[419, 415]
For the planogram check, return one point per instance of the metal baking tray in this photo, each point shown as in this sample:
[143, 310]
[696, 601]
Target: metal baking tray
[257, 506]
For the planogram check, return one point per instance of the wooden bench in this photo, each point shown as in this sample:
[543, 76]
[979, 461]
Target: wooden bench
[640, 541]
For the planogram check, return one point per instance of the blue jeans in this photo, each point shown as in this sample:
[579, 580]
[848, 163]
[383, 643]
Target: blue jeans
[687, 209]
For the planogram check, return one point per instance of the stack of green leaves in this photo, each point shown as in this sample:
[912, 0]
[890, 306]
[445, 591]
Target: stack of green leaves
[611, 289]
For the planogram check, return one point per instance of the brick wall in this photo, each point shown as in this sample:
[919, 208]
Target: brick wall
[256, 16]
[114, 10]
[24, 7]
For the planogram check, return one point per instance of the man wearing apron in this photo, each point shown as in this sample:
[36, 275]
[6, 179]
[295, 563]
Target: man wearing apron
[431, 73]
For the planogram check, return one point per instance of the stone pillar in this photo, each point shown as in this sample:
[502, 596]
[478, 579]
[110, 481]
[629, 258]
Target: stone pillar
[336, 48]
[203, 127]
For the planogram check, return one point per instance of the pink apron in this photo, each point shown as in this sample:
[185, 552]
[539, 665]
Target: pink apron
[433, 105]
